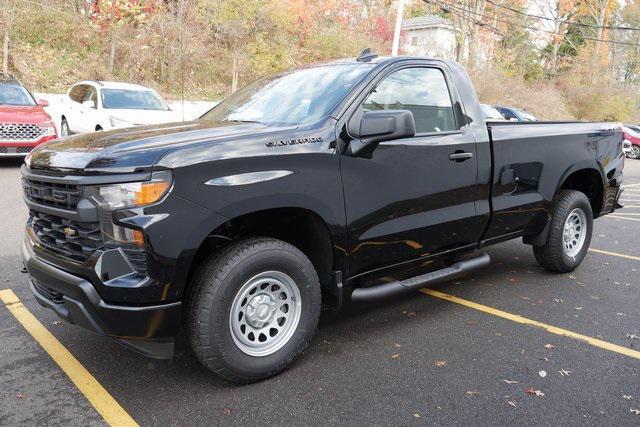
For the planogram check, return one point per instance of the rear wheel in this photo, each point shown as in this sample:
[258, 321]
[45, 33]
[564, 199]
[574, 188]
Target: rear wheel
[635, 152]
[571, 225]
[253, 310]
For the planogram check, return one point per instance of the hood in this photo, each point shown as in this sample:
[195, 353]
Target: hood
[137, 148]
[145, 117]
[23, 114]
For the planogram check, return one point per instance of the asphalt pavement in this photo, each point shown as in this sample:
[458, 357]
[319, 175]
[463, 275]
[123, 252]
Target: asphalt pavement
[512, 344]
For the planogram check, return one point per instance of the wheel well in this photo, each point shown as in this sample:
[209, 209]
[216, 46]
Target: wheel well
[299, 227]
[589, 182]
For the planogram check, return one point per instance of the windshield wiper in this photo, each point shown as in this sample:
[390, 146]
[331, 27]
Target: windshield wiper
[242, 121]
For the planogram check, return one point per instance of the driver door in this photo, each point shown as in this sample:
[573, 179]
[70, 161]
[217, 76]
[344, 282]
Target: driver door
[413, 199]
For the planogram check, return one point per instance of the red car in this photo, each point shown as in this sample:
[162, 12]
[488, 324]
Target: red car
[23, 122]
[631, 133]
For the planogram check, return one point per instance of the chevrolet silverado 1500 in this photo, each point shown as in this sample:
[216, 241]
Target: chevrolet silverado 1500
[353, 180]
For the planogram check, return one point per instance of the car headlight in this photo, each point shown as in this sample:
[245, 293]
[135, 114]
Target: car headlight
[118, 122]
[133, 194]
[49, 131]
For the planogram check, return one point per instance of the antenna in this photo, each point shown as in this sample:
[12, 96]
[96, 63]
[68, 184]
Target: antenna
[366, 55]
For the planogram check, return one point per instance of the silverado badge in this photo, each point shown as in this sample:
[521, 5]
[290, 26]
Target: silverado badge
[294, 141]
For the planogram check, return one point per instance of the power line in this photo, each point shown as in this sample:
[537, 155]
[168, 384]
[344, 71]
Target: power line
[482, 16]
[568, 22]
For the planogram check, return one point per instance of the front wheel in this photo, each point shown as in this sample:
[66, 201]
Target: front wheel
[571, 225]
[253, 309]
[634, 153]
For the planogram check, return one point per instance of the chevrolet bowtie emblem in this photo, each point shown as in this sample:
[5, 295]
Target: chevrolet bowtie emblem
[69, 231]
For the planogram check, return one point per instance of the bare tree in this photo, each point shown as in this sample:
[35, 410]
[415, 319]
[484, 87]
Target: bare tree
[8, 15]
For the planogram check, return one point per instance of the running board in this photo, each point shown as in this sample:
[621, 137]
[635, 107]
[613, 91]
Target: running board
[401, 286]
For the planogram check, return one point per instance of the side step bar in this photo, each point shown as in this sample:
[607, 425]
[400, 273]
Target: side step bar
[401, 286]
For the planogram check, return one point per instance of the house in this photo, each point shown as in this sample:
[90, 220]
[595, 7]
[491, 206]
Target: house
[430, 36]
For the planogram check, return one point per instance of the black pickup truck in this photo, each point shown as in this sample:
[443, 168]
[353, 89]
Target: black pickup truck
[352, 180]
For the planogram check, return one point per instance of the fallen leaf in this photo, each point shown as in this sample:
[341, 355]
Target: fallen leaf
[397, 345]
[21, 396]
[511, 403]
[558, 300]
[635, 411]
[542, 374]
[578, 308]
[510, 382]
[549, 346]
[571, 276]
[395, 356]
[57, 322]
[534, 392]
[440, 363]
[594, 297]
[565, 373]
[627, 397]
[633, 337]
[546, 359]
[473, 393]
[416, 415]
[227, 411]
[409, 313]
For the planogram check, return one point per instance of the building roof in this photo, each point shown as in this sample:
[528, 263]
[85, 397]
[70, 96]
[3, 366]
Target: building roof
[428, 21]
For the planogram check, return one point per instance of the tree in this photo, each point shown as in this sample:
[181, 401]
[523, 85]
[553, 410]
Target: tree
[8, 16]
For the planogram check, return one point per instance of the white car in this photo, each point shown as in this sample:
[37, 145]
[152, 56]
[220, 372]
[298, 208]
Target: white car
[97, 105]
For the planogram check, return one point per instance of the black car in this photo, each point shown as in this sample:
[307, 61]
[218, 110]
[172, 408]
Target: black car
[353, 180]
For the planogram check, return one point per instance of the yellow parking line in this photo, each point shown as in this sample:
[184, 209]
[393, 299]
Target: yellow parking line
[600, 251]
[523, 320]
[100, 398]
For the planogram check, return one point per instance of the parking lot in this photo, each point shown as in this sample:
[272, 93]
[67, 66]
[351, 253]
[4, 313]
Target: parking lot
[511, 344]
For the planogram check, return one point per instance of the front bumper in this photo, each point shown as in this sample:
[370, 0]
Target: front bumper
[148, 329]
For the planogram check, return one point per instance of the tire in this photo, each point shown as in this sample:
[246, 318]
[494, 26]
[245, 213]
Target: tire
[222, 286]
[64, 128]
[562, 256]
[635, 152]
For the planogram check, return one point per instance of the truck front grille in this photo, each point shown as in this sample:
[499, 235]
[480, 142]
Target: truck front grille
[15, 150]
[20, 132]
[71, 239]
[64, 196]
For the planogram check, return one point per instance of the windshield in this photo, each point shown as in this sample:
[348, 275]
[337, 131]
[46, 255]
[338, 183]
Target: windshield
[128, 99]
[490, 112]
[526, 116]
[290, 98]
[14, 94]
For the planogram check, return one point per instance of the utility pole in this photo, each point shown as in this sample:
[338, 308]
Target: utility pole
[396, 32]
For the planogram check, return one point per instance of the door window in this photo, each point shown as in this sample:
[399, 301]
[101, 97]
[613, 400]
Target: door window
[423, 91]
[90, 95]
[77, 93]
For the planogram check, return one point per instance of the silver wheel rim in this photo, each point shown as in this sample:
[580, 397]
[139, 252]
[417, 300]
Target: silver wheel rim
[635, 152]
[575, 232]
[265, 313]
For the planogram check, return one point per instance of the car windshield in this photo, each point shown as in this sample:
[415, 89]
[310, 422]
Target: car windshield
[290, 98]
[14, 94]
[526, 116]
[129, 99]
[490, 112]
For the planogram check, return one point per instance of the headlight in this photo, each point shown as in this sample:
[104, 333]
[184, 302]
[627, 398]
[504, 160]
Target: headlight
[119, 123]
[49, 131]
[133, 194]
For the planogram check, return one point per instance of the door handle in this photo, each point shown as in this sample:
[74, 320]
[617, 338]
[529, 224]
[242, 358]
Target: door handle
[460, 156]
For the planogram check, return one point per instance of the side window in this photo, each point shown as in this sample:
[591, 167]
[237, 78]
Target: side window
[77, 93]
[423, 91]
[90, 95]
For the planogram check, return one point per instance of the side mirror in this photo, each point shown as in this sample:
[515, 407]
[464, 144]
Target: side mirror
[373, 127]
[89, 104]
[43, 102]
